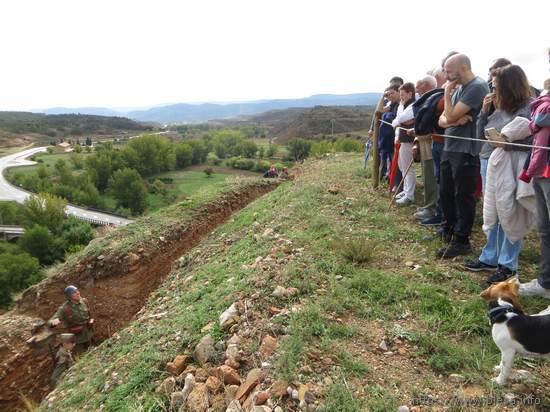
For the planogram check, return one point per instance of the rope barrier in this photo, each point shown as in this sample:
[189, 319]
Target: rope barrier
[477, 140]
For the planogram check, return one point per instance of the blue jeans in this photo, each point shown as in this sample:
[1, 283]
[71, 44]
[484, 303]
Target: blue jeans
[483, 163]
[499, 250]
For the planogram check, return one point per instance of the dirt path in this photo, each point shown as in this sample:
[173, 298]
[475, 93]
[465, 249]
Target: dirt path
[116, 285]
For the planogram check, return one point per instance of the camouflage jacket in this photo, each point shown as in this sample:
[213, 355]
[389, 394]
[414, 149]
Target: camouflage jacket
[75, 317]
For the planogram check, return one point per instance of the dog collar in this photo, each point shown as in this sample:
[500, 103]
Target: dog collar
[499, 310]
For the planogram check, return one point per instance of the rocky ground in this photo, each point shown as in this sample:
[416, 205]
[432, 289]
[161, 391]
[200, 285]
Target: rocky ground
[316, 297]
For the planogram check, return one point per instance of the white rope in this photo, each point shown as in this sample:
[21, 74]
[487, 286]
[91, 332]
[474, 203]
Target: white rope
[476, 140]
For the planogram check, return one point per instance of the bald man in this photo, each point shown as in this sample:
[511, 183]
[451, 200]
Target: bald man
[464, 93]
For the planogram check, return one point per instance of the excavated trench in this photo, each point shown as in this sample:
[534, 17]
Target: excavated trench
[116, 286]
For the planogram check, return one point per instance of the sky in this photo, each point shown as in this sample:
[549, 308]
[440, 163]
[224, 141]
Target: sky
[123, 54]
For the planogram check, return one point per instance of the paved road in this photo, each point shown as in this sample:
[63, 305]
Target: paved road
[10, 192]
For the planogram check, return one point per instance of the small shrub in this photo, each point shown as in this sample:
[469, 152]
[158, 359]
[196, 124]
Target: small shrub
[208, 171]
[358, 250]
[262, 166]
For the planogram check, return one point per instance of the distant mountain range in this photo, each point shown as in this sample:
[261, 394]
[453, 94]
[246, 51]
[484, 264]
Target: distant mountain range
[193, 113]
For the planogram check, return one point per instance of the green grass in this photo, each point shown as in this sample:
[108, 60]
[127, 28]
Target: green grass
[339, 306]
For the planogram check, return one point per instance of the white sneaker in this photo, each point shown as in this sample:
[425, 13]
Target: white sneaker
[404, 200]
[533, 288]
[399, 195]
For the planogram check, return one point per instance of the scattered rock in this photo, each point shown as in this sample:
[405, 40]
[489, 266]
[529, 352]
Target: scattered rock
[456, 378]
[409, 263]
[230, 376]
[279, 388]
[230, 392]
[338, 277]
[232, 363]
[229, 317]
[204, 350]
[262, 408]
[167, 386]
[234, 406]
[176, 400]
[328, 381]
[279, 292]
[178, 365]
[197, 401]
[278, 409]
[268, 232]
[268, 346]
[208, 327]
[253, 378]
[217, 403]
[261, 397]
[521, 375]
[201, 375]
[509, 398]
[232, 352]
[309, 397]
[188, 386]
[403, 408]
[333, 190]
[383, 345]
[294, 394]
[213, 384]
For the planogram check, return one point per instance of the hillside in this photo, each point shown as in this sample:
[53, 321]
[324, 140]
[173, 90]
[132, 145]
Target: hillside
[29, 127]
[317, 122]
[201, 112]
[331, 294]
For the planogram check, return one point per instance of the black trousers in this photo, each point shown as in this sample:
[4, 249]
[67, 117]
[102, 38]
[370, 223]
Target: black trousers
[458, 182]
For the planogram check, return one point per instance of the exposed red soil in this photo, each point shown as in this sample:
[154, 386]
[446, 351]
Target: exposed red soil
[116, 286]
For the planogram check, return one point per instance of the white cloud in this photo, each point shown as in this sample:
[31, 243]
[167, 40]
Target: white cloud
[137, 53]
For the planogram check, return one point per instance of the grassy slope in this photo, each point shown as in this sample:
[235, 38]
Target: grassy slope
[431, 318]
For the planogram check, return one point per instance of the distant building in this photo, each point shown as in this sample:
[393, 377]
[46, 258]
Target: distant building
[65, 146]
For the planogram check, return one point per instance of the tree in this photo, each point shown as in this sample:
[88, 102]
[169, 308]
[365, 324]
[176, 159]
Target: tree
[88, 141]
[39, 242]
[271, 150]
[248, 148]
[128, 189]
[150, 154]
[103, 163]
[299, 149]
[9, 213]
[184, 155]
[18, 270]
[43, 209]
[76, 232]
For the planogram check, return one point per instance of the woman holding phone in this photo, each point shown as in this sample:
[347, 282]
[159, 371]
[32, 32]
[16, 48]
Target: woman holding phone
[511, 98]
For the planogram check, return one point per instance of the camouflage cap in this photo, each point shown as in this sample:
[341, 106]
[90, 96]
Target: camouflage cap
[67, 337]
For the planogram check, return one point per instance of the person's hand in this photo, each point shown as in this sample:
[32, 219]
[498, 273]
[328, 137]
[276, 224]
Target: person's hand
[55, 322]
[410, 132]
[450, 87]
[487, 102]
[463, 120]
[495, 144]
[386, 109]
[370, 133]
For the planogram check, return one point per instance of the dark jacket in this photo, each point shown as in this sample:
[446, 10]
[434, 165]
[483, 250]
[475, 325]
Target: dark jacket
[425, 113]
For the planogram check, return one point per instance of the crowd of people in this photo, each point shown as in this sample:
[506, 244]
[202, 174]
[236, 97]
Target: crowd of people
[474, 138]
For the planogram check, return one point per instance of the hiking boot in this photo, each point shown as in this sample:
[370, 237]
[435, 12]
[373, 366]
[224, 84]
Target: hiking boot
[453, 250]
[502, 273]
[423, 214]
[432, 221]
[478, 266]
[533, 288]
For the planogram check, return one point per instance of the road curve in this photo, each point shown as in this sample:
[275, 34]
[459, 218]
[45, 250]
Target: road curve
[10, 192]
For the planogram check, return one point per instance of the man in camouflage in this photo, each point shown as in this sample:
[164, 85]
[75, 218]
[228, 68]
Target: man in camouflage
[64, 357]
[74, 315]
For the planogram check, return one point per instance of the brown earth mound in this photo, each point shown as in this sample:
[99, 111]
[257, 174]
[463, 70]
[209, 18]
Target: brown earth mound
[116, 285]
